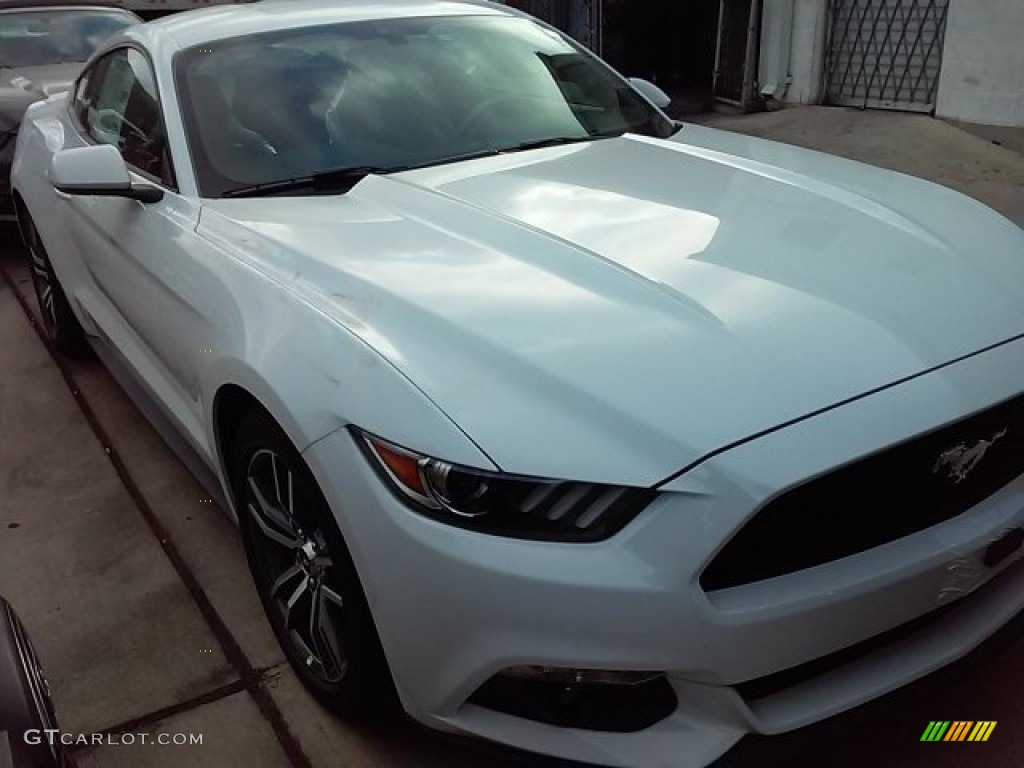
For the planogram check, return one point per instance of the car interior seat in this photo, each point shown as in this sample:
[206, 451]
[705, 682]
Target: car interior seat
[232, 152]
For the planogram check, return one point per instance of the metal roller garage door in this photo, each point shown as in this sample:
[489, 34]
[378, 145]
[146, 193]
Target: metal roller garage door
[886, 53]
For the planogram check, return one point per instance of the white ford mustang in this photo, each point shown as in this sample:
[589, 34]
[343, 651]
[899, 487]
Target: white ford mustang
[547, 418]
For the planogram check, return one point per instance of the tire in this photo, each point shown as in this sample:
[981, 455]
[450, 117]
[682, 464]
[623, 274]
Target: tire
[25, 702]
[62, 327]
[299, 560]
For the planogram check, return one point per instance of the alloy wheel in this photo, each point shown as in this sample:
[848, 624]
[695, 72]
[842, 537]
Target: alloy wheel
[298, 568]
[42, 281]
[59, 322]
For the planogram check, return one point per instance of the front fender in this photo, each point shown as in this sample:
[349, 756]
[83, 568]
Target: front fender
[314, 377]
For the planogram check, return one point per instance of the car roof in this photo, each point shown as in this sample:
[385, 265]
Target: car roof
[226, 21]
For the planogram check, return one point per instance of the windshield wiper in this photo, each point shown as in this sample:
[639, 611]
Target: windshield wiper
[343, 179]
[474, 155]
[557, 141]
[333, 180]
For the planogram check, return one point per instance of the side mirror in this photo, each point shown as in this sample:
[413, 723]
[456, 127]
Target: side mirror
[651, 92]
[98, 170]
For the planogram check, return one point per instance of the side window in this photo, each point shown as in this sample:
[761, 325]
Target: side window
[85, 90]
[119, 106]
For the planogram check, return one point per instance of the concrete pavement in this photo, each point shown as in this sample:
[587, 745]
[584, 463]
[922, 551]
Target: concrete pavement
[137, 594]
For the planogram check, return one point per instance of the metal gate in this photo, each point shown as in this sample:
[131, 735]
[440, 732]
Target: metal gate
[886, 53]
[735, 79]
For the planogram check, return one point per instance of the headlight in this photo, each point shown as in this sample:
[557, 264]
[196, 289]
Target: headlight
[502, 504]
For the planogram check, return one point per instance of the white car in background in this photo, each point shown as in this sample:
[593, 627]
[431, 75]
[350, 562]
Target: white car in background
[560, 423]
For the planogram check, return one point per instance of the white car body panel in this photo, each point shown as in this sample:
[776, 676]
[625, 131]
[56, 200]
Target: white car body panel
[224, 302]
[781, 299]
[755, 314]
[651, 610]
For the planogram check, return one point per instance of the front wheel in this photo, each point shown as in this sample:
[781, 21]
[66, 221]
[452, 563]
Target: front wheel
[305, 575]
[62, 327]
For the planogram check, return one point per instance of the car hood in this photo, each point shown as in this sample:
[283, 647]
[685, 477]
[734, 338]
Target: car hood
[20, 87]
[620, 309]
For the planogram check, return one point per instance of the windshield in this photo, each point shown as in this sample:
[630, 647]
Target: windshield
[392, 94]
[37, 38]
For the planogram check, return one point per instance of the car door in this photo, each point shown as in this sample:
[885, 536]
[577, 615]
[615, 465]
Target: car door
[149, 298]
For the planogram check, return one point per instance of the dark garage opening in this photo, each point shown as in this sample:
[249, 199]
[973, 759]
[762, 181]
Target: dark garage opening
[669, 42]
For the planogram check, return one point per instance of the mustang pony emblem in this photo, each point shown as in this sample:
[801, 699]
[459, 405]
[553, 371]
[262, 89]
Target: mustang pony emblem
[960, 460]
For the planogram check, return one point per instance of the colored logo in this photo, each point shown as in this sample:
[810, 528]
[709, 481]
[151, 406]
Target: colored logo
[958, 730]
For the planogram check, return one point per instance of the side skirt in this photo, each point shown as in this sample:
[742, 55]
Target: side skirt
[161, 421]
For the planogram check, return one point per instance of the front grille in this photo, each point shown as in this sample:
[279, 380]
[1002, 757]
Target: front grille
[881, 498]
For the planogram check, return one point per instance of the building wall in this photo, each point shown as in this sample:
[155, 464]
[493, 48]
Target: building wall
[982, 78]
[808, 22]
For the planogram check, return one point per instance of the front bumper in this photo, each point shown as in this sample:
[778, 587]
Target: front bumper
[454, 608]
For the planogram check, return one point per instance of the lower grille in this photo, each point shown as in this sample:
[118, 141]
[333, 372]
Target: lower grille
[590, 707]
[881, 498]
[771, 685]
